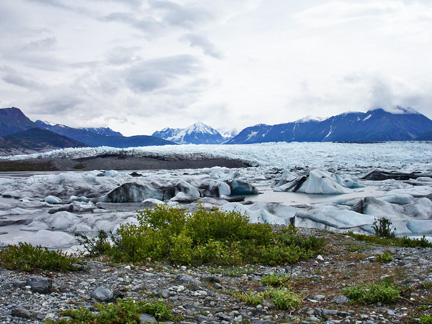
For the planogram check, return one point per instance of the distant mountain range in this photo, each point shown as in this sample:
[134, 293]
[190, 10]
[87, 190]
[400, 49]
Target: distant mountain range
[102, 136]
[373, 126]
[198, 133]
[18, 134]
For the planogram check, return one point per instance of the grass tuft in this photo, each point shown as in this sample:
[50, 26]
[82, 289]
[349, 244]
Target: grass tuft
[123, 311]
[384, 292]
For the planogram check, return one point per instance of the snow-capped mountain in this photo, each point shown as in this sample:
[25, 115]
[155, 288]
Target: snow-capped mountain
[198, 133]
[378, 125]
[228, 134]
[102, 131]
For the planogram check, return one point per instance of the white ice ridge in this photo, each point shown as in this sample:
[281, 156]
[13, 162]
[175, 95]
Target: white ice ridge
[389, 155]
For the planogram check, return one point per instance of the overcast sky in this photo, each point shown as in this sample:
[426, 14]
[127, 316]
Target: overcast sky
[141, 65]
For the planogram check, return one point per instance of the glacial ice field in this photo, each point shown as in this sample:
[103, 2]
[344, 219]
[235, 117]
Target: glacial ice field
[331, 186]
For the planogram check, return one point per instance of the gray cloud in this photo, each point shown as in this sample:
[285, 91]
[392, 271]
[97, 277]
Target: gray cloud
[154, 74]
[122, 55]
[41, 44]
[60, 101]
[200, 41]
[178, 15]
[148, 24]
[18, 79]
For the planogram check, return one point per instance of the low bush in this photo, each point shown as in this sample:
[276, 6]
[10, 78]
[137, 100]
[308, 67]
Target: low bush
[425, 319]
[395, 241]
[281, 297]
[384, 292]
[26, 257]
[382, 228]
[385, 257]
[207, 236]
[95, 246]
[123, 311]
[276, 280]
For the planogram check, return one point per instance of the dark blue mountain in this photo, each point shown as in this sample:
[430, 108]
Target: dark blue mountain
[373, 126]
[198, 133]
[12, 120]
[93, 139]
[425, 136]
[37, 139]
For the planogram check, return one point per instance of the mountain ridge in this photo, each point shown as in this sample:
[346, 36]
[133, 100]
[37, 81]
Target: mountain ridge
[377, 125]
[91, 138]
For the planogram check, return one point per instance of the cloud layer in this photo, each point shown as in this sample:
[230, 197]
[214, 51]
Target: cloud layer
[141, 65]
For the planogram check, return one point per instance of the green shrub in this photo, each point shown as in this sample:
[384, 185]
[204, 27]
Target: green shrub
[284, 299]
[395, 241]
[281, 297]
[425, 319]
[207, 236]
[125, 311]
[276, 280]
[385, 257]
[96, 246]
[384, 292]
[26, 257]
[382, 228]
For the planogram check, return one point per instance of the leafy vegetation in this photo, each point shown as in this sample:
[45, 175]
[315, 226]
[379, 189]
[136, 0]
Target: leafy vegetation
[395, 241]
[382, 228]
[425, 319]
[384, 292]
[385, 257]
[281, 297]
[96, 246]
[207, 236]
[125, 311]
[26, 257]
[276, 280]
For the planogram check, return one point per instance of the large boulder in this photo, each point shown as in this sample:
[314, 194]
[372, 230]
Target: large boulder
[40, 284]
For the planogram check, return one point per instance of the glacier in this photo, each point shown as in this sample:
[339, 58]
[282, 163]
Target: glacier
[48, 208]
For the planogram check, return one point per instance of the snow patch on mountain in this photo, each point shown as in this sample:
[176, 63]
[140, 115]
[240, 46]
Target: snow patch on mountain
[198, 133]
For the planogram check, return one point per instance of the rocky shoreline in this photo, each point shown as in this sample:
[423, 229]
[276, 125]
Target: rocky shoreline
[205, 294]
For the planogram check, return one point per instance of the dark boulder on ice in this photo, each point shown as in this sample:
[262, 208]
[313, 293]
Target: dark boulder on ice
[242, 188]
[133, 192]
[384, 175]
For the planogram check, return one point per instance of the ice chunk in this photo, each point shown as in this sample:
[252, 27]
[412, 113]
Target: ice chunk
[49, 239]
[53, 200]
[132, 192]
[316, 182]
[421, 209]
[401, 199]
[240, 187]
